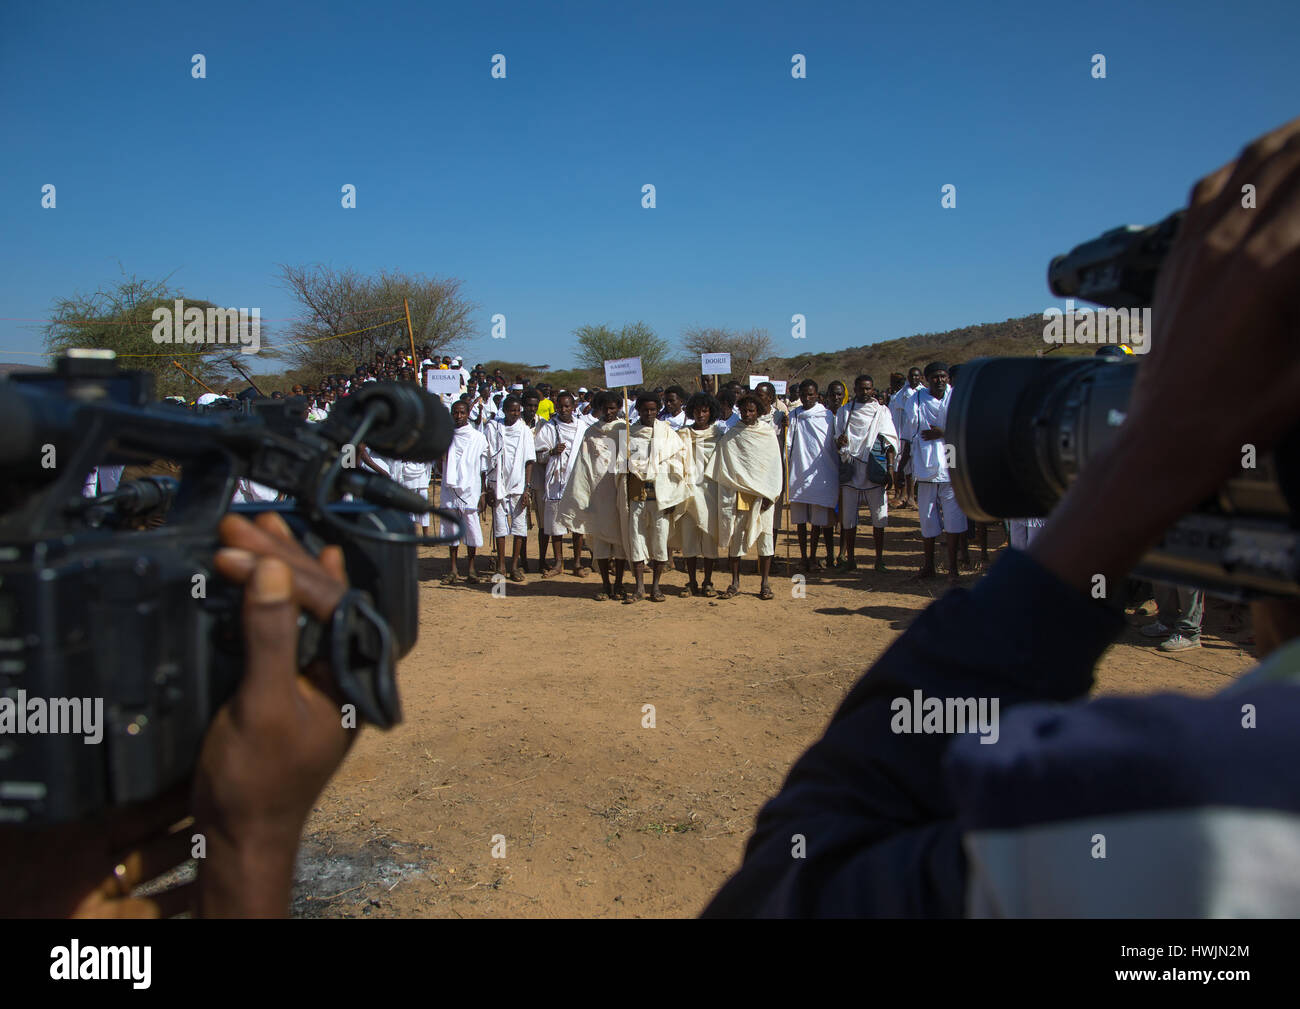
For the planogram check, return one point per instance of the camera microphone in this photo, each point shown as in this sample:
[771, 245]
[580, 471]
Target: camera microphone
[410, 423]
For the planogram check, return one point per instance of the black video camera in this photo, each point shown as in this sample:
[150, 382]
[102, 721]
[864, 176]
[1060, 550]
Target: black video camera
[1023, 428]
[118, 643]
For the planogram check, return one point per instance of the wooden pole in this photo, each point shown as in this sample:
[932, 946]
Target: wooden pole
[789, 440]
[191, 375]
[627, 452]
[415, 365]
[234, 363]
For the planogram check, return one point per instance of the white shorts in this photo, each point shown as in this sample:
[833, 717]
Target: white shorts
[510, 517]
[423, 491]
[818, 515]
[851, 499]
[473, 528]
[551, 525]
[938, 507]
[603, 550]
[766, 543]
[695, 541]
[648, 529]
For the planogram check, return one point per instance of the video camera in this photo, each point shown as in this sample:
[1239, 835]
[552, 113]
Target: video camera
[1024, 428]
[113, 599]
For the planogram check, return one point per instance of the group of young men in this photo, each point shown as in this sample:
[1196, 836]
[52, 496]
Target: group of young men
[633, 481]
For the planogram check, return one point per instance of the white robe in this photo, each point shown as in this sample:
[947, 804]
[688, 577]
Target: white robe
[701, 504]
[929, 459]
[814, 463]
[863, 423]
[747, 467]
[463, 467]
[511, 449]
[592, 499]
[558, 467]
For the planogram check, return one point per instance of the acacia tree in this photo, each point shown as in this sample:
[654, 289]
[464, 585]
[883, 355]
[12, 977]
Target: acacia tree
[350, 315]
[598, 344]
[746, 347]
[120, 318]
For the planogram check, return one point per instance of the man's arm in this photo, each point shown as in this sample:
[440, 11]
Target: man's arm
[877, 823]
[869, 802]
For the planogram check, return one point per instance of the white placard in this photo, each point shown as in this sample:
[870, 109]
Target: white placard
[624, 371]
[715, 364]
[443, 383]
[780, 386]
[756, 380]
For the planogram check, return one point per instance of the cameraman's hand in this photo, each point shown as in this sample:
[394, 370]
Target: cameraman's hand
[273, 747]
[1224, 307]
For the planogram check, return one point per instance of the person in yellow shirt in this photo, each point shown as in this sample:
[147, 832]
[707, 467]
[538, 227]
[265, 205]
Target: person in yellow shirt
[546, 407]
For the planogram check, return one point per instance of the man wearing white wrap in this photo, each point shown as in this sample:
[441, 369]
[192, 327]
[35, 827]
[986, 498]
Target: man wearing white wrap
[557, 443]
[900, 404]
[747, 467]
[923, 433]
[415, 476]
[814, 474]
[695, 530]
[595, 498]
[859, 424]
[656, 484]
[462, 487]
[513, 454]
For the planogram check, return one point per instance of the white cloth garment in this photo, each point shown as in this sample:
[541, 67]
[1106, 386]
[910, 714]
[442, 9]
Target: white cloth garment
[747, 468]
[695, 531]
[929, 458]
[463, 467]
[591, 499]
[557, 467]
[899, 403]
[512, 448]
[864, 423]
[814, 463]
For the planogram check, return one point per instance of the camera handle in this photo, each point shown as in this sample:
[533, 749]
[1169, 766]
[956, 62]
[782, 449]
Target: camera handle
[357, 645]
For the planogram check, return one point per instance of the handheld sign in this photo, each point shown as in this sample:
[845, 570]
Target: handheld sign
[756, 380]
[443, 383]
[781, 386]
[715, 364]
[624, 371]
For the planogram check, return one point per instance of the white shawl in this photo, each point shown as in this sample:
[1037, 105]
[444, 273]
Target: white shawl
[747, 467]
[814, 464]
[463, 467]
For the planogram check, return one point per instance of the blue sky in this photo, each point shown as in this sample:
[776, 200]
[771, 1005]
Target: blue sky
[775, 196]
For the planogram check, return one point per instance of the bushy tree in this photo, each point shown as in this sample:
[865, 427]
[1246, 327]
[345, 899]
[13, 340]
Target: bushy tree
[598, 344]
[349, 315]
[747, 348]
[120, 318]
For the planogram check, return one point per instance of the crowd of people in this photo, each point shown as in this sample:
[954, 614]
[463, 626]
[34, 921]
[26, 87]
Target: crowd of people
[703, 474]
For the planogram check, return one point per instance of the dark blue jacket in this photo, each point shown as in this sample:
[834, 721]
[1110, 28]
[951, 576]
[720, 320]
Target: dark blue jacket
[1165, 805]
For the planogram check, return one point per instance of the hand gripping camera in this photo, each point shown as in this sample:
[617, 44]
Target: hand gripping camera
[110, 603]
[1023, 428]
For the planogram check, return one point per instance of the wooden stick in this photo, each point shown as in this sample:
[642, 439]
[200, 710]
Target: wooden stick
[627, 462]
[789, 440]
[415, 365]
[195, 377]
[234, 363]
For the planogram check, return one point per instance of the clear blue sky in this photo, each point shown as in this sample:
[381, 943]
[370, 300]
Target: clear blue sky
[775, 196]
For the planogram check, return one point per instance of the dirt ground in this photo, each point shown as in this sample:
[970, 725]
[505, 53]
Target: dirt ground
[524, 731]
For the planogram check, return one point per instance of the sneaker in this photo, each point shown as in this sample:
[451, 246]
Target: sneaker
[1179, 643]
[1156, 630]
